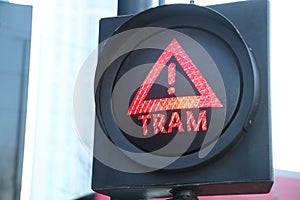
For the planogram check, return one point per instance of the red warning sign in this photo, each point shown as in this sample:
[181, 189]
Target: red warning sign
[206, 99]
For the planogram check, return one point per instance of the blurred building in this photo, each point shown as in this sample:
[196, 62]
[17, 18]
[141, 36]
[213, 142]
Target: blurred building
[64, 32]
[15, 33]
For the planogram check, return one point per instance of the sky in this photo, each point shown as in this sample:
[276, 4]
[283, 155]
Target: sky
[285, 83]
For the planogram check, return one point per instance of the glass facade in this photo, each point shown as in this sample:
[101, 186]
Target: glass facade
[61, 167]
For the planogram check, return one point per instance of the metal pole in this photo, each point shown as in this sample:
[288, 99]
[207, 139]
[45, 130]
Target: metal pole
[161, 2]
[181, 194]
[128, 7]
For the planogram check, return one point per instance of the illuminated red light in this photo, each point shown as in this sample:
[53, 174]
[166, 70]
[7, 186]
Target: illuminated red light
[175, 121]
[202, 121]
[158, 123]
[171, 77]
[144, 119]
[207, 96]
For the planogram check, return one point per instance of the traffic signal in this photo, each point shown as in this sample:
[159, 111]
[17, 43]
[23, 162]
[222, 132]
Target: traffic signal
[182, 102]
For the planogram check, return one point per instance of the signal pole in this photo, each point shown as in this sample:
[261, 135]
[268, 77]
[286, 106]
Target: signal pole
[128, 7]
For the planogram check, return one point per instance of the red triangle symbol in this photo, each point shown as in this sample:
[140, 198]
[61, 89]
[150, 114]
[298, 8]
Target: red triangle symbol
[207, 98]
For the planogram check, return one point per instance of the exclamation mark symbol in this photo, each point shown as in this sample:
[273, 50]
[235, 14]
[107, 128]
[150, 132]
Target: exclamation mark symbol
[171, 77]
